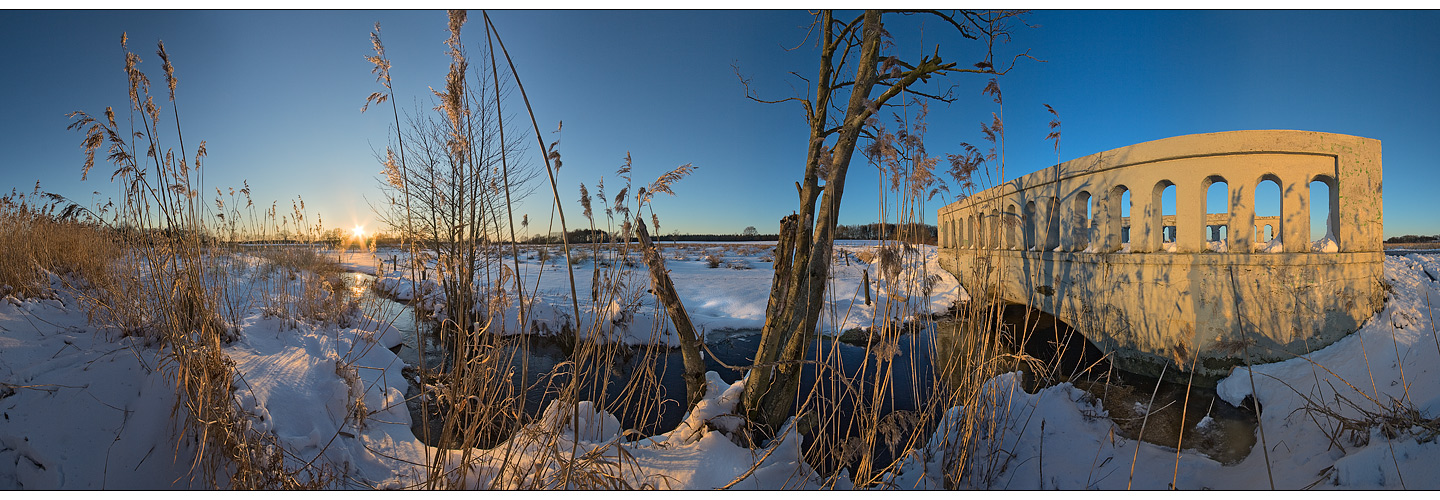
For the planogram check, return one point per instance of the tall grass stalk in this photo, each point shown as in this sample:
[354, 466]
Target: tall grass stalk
[167, 284]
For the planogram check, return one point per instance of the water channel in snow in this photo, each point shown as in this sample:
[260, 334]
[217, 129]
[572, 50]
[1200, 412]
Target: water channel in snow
[1210, 425]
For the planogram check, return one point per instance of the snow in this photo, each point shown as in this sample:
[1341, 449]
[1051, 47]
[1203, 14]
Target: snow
[82, 407]
[722, 298]
[1275, 245]
[1325, 245]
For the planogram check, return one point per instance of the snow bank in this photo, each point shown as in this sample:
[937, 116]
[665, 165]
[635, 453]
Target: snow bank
[1273, 246]
[82, 408]
[1394, 359]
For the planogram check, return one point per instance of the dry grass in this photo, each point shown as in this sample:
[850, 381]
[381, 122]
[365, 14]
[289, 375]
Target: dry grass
[163, 279]
[36, 243]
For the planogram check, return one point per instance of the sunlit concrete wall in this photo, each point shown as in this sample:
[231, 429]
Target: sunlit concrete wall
[1153, 288]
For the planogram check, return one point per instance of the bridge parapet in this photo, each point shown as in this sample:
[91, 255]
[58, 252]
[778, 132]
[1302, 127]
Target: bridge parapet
[1161, 288]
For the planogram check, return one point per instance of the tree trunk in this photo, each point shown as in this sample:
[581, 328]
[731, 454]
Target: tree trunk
[664, 290]
[771, 390]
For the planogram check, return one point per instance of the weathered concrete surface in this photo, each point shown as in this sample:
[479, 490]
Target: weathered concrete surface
[1153, 302]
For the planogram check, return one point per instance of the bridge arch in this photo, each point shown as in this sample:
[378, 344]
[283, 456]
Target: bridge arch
[1162, 297]
[1080, 215]
[1154, 231]
[1267, 227]
[1029, 226]
[1332, 218]
[1215, 222]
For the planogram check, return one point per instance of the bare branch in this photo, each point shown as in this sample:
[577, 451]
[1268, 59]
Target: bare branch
[750, 93]
[1025, 54]
[808, 31]
[964, 31]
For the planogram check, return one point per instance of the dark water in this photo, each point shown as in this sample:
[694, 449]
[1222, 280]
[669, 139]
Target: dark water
[644, 388]
[1176, 412]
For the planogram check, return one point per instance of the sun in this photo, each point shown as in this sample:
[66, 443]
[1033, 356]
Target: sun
[359, 231]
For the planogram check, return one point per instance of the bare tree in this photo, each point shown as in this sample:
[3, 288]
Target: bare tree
[803, 255]
[457, 210]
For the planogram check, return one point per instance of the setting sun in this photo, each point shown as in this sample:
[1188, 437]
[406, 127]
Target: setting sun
[359, 231]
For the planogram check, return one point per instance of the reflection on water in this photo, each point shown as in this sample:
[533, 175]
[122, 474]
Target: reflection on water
[1208, 424]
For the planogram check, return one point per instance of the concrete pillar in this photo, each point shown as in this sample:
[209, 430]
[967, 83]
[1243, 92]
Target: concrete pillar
[982, 229]
[1295, 214]
[1190, 217]
[1145, 219]
[979, 229]
[1072, 225]
[1054, 213]
[1043, 213]
[1242, 216]
[1334, 218]
[995, 225]
[1109, 218]
[970, 230]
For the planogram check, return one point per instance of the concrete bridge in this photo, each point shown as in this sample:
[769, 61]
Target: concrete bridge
[1190, 289]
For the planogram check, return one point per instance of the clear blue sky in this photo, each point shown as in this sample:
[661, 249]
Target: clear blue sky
[277, 95]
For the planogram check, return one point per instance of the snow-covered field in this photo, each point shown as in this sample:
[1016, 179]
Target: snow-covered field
[728, 297]
[84, 407]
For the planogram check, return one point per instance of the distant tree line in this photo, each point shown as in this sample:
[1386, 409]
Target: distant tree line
[1410, 238]
[909, 232]
[601, 236]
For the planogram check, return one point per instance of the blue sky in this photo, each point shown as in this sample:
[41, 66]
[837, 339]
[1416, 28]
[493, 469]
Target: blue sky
[277, 96]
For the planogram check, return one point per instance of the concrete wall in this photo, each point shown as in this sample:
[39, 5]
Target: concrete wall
[1158, 298]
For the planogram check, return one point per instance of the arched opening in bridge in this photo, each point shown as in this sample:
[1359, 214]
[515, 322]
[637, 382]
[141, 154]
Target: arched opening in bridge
[1162, 211]
[1030, 225]
[1082, 221]
[1217, 213]
[1269, 207]
[1010, 224]
[1322, 213]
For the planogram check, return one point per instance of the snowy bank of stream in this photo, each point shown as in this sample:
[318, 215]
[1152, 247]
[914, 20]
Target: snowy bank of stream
[84, 408]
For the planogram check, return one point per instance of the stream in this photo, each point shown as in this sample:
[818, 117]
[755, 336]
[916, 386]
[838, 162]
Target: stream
[1226, 436]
